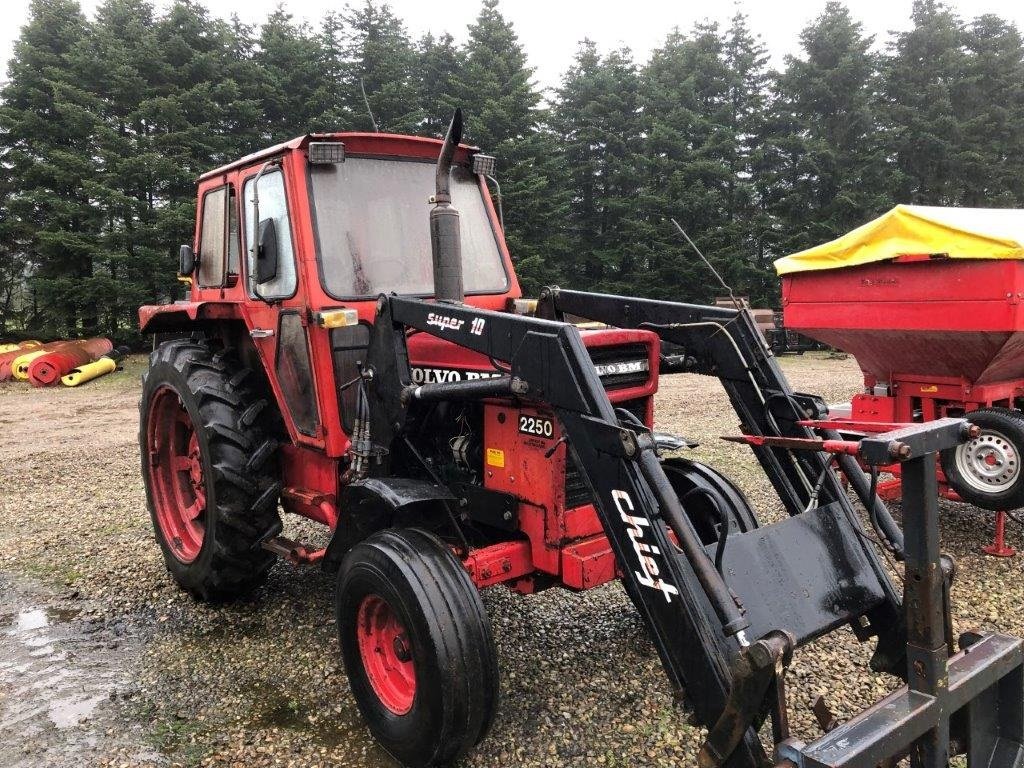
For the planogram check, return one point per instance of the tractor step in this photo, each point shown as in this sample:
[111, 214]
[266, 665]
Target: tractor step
[294, 552]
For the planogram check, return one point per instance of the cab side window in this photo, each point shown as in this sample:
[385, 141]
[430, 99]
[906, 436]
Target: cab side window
[213, 237]
[234, 245]
[273, 206]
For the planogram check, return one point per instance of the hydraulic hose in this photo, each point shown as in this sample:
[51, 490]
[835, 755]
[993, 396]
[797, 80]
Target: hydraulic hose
[876, 508]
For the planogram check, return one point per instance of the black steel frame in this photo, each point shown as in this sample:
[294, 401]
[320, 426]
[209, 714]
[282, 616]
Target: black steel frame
[695, 619]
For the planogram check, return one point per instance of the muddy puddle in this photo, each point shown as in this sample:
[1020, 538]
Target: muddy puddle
[60, 676]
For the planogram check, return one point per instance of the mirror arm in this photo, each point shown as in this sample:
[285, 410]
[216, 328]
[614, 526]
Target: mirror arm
[255, 245]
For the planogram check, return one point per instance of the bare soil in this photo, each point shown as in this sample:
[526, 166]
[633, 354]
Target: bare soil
[103, 662]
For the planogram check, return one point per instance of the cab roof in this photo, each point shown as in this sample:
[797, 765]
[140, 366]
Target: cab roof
[393, 144]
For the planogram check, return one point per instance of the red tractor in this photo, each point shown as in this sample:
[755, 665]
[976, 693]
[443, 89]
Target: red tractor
[343, 357]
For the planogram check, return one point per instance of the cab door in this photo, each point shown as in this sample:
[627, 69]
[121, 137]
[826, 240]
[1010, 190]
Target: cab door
[278, 313]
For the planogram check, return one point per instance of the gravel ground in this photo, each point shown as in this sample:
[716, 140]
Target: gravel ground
[103, 662]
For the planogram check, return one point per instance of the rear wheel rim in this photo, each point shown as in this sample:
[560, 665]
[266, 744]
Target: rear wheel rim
[176, 479]
[990, 463]
[386, 654]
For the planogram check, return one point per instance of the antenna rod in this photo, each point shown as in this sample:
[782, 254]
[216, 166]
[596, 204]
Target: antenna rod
[366, 101]
[735, 301]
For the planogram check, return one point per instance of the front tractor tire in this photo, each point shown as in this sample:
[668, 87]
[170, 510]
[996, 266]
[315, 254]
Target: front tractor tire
[417, 646]
[209, 468]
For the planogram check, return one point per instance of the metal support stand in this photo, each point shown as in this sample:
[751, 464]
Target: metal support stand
[923, 599]
[999, 547]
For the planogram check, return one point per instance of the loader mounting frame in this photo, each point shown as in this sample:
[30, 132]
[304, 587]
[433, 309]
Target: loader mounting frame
[706, 622]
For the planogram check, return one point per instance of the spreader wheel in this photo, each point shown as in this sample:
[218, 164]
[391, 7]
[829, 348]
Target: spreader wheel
[209, 468]
[417, 646]
[987, 471]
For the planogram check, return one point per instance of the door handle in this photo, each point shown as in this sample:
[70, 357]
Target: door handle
[261, 333]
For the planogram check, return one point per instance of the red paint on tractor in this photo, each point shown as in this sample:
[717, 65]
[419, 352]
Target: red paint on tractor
[556, 538]
[497, 563]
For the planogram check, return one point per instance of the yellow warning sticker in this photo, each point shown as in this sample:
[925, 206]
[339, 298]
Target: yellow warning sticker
[495, 457]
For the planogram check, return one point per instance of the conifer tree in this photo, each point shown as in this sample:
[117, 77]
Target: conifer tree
[118, 63]
[332, 97]
[47, 125]
[687, 111]
[597, 122]
[290, 59]
[440, 62]
[922, 130]
[828, 172]
[990, 107]
[382, 67]
[503, 116]
[746, 220]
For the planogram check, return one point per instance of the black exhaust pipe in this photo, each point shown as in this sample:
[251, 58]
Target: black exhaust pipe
[445, 242]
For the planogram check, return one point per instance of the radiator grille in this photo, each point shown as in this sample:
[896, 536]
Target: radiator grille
[621, 366]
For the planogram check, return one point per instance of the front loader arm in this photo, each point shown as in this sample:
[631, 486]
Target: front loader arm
[696, 623]
[692, 619]
[725, 343]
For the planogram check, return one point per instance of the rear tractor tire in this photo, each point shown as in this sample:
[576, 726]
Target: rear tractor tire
[988, 471]
[417, 646]
[209, 467]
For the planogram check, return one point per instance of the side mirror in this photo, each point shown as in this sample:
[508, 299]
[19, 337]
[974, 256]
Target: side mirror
[186, 260]
[266, 253]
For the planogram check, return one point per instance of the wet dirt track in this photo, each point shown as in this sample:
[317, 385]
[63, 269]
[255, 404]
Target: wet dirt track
[104, 663]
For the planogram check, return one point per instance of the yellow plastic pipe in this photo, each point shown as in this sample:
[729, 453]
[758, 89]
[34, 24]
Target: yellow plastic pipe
[88, 372]
[19, 367]
[30, 344]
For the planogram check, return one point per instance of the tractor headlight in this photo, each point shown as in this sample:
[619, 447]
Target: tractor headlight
[485, 165]
[326, 152]
[337, 318]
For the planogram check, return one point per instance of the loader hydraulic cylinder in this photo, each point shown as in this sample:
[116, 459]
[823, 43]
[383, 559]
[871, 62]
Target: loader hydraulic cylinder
[729, 613]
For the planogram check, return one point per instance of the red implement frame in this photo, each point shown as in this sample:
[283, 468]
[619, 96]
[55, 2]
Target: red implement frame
[934, 337]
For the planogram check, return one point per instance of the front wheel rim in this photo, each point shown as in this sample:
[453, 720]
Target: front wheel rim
[386, 654]
[990, 463]
[176, 478]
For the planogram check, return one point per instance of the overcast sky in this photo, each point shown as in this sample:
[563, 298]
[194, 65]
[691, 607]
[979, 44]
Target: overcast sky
[550, 29]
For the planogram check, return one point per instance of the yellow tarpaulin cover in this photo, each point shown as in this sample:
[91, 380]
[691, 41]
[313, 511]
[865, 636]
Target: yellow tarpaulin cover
[959, 233]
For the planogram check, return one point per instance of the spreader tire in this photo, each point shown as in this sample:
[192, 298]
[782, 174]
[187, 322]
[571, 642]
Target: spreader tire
[987, 471]
[209, 467]
[417, 646]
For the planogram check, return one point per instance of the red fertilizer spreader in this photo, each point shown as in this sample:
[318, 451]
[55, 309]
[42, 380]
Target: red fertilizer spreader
[929, 302]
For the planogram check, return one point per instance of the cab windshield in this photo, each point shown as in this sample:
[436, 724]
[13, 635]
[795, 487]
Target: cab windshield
[372, 221]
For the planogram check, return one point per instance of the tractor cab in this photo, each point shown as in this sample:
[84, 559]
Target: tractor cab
[293, 246]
